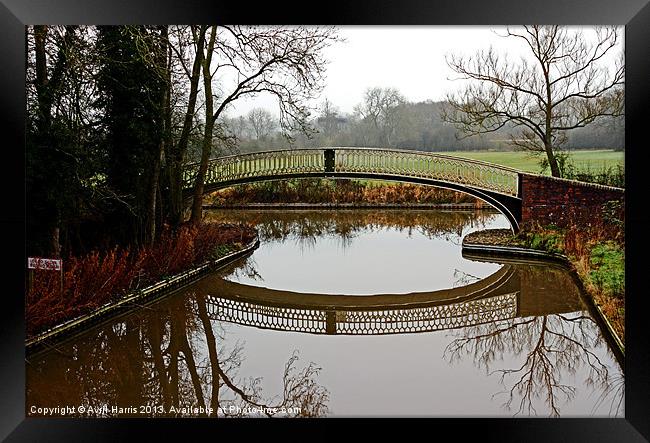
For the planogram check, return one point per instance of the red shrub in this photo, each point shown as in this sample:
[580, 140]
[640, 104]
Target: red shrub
[97, 278]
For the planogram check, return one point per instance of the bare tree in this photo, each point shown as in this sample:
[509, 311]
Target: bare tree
[177, 151]
[380, 110]
[238, 126]
[328, 119]
[261, 122]
[566, 86]
[286, 62]
[206, 147]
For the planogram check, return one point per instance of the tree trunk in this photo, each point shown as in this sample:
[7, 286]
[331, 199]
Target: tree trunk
[191, 367]
[552, 161]
[197, 202]
[206, 148]
[26, 48]
[49, 219]
[548, 136]
[152, 197]
[176, 160]
[164, 186]
[156, 332]
[40, 35]
[150, 218]
[173, 350]
[55, 247]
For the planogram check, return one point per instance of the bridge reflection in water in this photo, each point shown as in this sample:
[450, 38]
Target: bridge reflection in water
[497, 297]
[375, 322]
[522, 332]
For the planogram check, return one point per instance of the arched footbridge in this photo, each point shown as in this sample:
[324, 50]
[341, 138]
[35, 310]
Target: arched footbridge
[519, 196]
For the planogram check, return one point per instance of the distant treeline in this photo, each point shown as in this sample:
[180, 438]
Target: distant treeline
[386, 119]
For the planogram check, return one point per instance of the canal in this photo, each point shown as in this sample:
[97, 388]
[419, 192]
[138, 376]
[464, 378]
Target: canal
[346, 313]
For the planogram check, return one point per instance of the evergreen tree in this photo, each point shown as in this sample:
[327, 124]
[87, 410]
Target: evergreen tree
[131, 95]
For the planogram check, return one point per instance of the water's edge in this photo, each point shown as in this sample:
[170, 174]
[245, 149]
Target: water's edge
[463, 206]
[611, 336]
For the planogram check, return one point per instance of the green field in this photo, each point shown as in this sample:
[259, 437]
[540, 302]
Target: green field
[595, 160]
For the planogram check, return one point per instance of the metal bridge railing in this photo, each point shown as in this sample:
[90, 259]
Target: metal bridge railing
[365, 322]
[428, 165]
[374, 161]
[434, 318]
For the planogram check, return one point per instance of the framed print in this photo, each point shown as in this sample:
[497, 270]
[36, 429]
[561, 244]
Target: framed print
[389, 114]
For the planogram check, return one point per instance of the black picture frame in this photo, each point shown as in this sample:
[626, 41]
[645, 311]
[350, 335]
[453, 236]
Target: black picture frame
[15, 14]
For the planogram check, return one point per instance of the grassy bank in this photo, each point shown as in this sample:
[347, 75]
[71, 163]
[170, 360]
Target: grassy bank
[318, 190]
[599, 260]
[92, 280]
[597, 253]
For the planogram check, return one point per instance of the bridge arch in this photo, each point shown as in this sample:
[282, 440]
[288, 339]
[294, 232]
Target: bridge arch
[496, 185]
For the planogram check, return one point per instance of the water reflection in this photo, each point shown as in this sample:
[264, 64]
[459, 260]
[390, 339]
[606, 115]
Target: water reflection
[305, 227]
[172, 356]
[547, 348]
[359, 251]
[512, 291]
[518, 341]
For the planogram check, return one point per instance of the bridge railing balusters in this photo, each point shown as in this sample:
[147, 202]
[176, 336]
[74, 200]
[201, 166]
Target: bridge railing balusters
[359, 160]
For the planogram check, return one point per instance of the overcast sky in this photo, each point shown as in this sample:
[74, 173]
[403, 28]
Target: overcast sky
[409, 58]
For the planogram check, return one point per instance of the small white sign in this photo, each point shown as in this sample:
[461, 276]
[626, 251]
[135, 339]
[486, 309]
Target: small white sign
[51, 264]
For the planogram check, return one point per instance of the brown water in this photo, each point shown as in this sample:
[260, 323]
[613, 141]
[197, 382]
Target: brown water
[346, 313]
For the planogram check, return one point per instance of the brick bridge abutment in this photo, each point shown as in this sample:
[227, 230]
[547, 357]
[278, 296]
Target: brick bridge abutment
[561, 202]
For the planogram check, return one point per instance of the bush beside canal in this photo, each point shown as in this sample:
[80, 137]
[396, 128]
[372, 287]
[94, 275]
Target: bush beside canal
[319, 190]
[97, 278]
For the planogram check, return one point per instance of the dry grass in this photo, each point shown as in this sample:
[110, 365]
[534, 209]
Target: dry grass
[337, 191]
[614, 310]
